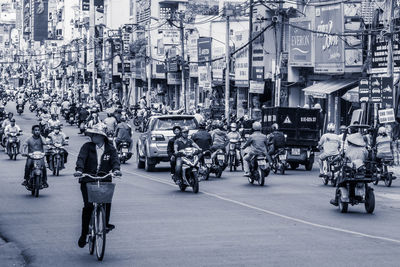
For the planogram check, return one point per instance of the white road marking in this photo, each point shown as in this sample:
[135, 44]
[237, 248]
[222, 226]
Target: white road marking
[327, 227]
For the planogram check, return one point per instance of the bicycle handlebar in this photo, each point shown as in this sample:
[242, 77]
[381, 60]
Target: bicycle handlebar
[99, 177]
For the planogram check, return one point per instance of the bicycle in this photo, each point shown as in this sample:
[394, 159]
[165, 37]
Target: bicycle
[99, 193]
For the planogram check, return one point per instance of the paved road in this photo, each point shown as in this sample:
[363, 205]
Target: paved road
[288, 222]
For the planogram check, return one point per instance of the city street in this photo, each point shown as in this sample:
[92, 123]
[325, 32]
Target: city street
[288, 222]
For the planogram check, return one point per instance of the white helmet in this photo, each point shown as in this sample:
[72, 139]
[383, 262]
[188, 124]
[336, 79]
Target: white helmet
[317, 106]
[381, 130]
[331, 127]
[233, 125]
[257, 126]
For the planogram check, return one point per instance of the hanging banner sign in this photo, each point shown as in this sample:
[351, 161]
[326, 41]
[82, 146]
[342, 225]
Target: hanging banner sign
[300, 43]
[387, 92]
[174, 78]
[204, 50]
[379, 54]
[329, 48]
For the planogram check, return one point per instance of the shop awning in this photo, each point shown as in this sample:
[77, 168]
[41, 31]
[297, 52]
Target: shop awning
[352, 95]
[324, 88]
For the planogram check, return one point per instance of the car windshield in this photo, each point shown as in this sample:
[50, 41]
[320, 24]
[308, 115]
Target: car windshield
[169, 123]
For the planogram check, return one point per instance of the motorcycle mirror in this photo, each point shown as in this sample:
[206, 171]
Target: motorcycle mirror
[67, 138]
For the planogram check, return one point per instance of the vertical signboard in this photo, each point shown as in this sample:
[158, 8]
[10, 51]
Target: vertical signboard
[242, 60]
[353, 52]
[26, 9]
[379, 53]
[192, 53]
[329, 47]
[376, 90]
[204, 50]
[387, 92]
[300, 42]
[40, 26]
[364, 91]
[218, 66]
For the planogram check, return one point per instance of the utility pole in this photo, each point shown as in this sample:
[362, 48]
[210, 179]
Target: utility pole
[390, 13]
[250, 53]
[227, 56]
[150, 65]
[181, 15]
[123, 87]
[92, 25]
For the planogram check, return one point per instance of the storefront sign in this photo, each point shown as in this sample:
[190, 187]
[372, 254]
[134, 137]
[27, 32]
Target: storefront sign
[204, 77]
[376, 90]
[26, 25]
[300, 43]
[386, 115]
[204, 50]
[329, 48]
[218, 66]
[242, 59]
[174, 78]
[379, 54]
[258, 73]
[387, 92]
[256, 87]
[364, 90]
[353, 52]
[171, 37]
[193, 54]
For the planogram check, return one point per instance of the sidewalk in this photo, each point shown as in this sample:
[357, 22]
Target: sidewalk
[10, 255]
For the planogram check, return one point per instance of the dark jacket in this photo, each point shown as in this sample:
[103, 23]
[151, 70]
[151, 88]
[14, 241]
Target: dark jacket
[83, 114]
[87, 160]
[170, 148]
[203, 139]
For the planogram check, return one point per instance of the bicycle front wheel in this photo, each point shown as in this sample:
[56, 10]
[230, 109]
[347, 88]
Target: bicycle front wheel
[100, 233]
[92, 235]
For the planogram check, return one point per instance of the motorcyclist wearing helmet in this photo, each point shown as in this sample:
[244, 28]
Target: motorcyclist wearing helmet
[93, 119]
[11, 128]
[202, 138]
[258, 143]
[276, 140]
[330, 143]
[234, 135]
[54, 121]
[123, 133]
[181, 143]
[110, 122]
[383, 145]
[219, 139]
[170, 149]
[58, 137]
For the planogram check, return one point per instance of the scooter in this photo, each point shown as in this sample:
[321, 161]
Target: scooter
[190, 161]
[56, 160]
[12, 150]
[219, 163]
[20, 109]
[330, 168]
[123, 152]
[35, 182]
[279, 161]
[233, 159]
[382, 173]
[259, 170]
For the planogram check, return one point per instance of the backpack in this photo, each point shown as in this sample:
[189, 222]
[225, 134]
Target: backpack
[279, 139]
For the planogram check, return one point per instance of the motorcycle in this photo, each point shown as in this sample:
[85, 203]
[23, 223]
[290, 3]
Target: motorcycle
[71, 119]
[12, 149]
[279, 161]
[32, 107]
[330, 168]
[35, 182]
[205, 165]
[20, 109]
[123, 152]
[259, 170]
[382, 173]
[234, 150]
[56, 159]
[219, 164]
[190, 161]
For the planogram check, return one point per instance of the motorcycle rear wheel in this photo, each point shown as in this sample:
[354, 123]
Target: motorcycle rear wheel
[343, 207]
[261, 177]
[195, 185]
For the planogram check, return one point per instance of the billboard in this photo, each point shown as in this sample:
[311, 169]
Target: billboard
[329, 47]
[40, 26]
[300, 43]
[204, 50]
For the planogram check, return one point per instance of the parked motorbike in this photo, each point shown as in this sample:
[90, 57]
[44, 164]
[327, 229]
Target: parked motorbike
[382, 173]
[35, 182]
[259, 170]
[56, 159]
[279, 161]
[331, 167]
[123, 152]
[190, 161]
[234, 155]
[12, 149]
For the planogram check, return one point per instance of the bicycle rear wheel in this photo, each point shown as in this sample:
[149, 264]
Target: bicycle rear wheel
[100, 222]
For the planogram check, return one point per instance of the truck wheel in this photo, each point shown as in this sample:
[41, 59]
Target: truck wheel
[369, 201]
[309, 166]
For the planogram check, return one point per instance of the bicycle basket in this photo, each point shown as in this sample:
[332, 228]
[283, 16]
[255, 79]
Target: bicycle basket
[102, 193]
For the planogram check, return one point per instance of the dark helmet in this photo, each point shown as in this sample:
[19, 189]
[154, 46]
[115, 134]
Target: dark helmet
[202, 124]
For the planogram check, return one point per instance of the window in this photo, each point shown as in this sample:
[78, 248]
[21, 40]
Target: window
[169, 123]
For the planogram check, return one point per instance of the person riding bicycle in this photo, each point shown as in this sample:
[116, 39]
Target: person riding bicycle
[97, 157]
[110, 122]
[170, 149]
[276, 140]
[123, 133]
[33, 144]
[219, 138]
[258, 143]
[383, 145]
[58, 137]
[11, 128]
[181, 143]
[330, 143]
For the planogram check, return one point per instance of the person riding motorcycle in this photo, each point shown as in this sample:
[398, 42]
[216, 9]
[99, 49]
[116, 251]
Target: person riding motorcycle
[219, 139]
[234, 135]
[202, 138]
[97, 157]
[123, 133]
[65, 105]
[177, 130]
[110, 122]
[258, 143]
[276, 140]
[7, 121]
[11, 128]
[330, 143]
[383, 145]
[20, 102]
[181, 143]
[3, 113]
[57, 137]
[33, 144]
[93, 119]
[83, 114]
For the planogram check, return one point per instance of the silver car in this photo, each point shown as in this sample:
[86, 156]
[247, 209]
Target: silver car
[151, 148]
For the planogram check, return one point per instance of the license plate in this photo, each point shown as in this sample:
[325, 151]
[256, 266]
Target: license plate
[207, 161]
[282, 157]
[296, 151]
[221, 157]
[124, 150]
[261, 162]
